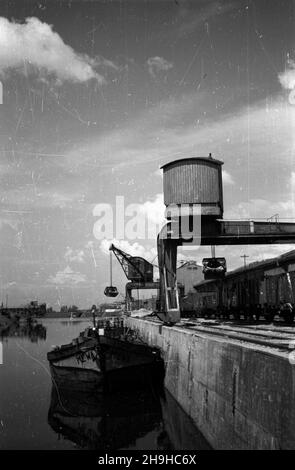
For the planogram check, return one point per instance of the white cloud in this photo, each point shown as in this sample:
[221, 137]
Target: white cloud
[287, 78]
[159, 172]
[154, 211]
[133, 249]
[34, 44]
[157, 65]
[67, 277]
[76, 256]
[105, 245]
[227, 178]
[9, 284]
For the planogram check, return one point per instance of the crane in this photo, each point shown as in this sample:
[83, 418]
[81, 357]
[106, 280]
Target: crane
[136, 268]
[138, 271]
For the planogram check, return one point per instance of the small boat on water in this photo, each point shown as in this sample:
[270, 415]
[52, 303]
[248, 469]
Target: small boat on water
[84, 342]
[82, 371]
[95, 360]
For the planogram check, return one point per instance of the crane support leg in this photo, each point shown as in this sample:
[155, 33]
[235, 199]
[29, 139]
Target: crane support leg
[169, 302]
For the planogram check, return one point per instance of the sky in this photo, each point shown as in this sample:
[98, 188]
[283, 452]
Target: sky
[97, 95]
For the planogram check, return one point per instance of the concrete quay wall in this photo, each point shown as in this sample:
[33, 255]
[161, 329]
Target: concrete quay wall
[239, 395]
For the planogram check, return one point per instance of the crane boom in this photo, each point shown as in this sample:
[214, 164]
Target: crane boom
[135, 268]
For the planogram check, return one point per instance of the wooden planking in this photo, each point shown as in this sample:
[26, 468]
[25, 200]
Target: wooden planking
[195, 182]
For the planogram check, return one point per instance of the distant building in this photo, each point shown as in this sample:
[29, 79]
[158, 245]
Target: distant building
[114, 309]
[188, 275]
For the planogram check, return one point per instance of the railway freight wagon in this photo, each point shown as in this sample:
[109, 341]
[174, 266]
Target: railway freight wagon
[261, 288]
[207, 297]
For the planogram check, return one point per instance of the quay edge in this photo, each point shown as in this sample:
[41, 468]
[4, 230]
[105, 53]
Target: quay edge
[239, 395]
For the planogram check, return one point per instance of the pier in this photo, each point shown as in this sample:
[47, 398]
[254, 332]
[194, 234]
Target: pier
[236, 382]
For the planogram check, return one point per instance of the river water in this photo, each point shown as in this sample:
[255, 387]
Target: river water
[35, 414]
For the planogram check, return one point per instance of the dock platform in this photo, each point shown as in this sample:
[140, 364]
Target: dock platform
[235, 380]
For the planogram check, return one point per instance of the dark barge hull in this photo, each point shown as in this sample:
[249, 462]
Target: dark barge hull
[105, 362]
[71, 349]
[77, 378]
[134, 365]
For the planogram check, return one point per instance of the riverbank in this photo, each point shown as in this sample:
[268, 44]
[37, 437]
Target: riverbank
[5, 321]
[67, 315]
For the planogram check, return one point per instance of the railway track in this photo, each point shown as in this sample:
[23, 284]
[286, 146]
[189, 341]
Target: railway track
[271, 336]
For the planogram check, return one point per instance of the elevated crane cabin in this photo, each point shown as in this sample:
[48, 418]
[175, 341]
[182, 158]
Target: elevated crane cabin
[136, 268]
[196, 185]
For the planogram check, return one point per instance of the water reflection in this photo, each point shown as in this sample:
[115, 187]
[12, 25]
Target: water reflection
[103, 421]
[131, 419]
[72, 321]
[119, 420]
[35, 332]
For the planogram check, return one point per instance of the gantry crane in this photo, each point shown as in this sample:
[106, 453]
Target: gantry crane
[193, 195]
